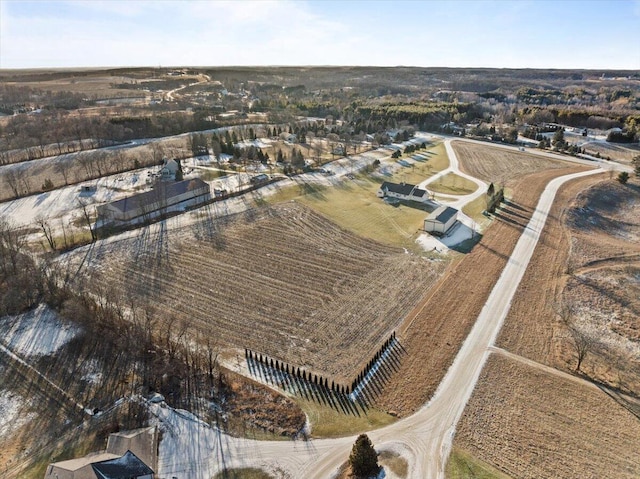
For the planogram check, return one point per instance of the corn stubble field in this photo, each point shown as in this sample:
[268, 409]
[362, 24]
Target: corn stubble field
[279, 280]
[500, 165]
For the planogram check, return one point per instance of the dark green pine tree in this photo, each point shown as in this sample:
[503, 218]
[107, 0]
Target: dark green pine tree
[363, 458]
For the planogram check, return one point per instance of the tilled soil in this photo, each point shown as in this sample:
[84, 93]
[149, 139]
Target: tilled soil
[282, 281]
[532, 424]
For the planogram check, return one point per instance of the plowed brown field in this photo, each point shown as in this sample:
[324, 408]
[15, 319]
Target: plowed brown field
[435, 329]
[532, 424]
[589, 257]
[500, 165]
[282, 281]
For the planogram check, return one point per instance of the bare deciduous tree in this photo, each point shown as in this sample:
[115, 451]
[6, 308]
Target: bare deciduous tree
[12, 180]
[43, 224]
[11, 242]
[63, 166]
[582, 343]
[87, 217]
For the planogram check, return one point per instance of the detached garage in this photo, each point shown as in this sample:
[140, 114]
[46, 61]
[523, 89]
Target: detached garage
[440, 220]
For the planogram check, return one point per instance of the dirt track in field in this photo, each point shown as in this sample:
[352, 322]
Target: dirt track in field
[499, 165]
[588, 256]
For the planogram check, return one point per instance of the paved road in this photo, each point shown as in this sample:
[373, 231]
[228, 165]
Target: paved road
[425, 438]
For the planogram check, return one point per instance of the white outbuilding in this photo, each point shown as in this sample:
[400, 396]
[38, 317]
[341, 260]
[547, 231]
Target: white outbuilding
[440, 220]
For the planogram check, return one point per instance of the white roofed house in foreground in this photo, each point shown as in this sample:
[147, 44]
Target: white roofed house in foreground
[440, 220]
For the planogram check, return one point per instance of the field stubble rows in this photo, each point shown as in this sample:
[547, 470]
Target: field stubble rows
[282, 280]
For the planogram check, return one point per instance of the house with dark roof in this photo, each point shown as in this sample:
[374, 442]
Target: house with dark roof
[403, 191]
[156, 202]
[129, 455]
[440, 220]
[127, 466]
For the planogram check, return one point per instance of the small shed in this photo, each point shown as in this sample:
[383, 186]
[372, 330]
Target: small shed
[259, 179]
[440, 220]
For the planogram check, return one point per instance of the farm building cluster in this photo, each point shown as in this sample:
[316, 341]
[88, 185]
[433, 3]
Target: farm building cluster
[439, 221]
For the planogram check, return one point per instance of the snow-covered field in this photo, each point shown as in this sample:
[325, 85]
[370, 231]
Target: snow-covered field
[36, 333]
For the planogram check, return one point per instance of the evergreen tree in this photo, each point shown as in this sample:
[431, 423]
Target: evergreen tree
[558, 139]
[636, 165]
[363, 458]
[623, 177]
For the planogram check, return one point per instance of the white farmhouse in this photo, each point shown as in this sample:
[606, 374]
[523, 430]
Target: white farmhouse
[440, 220]
[403, 191]
[169, 170]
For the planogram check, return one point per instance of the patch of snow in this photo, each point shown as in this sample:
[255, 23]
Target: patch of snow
[180, 454]
[37, 333]
[10, 417]
[464, 229]
[92, 373]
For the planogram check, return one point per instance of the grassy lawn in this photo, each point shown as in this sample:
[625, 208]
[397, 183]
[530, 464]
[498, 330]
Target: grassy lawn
[453, 184]
[244, 473]
[327, 422]
[354, 206]
[462, 465]
[474, 211]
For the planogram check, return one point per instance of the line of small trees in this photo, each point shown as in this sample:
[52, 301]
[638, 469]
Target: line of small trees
[320, 380]
[373, 362]
[494, 198]
[302, 374]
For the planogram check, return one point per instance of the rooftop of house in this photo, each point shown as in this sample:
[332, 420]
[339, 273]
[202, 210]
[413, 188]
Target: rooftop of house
[397, 188]
[125, 467]
[80, 462]
[161, 191]
[442, 214]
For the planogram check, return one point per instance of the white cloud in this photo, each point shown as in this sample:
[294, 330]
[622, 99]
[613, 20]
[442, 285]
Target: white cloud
[283, 32]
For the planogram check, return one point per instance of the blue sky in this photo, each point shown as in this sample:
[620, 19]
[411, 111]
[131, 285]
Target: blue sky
[503, 34]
